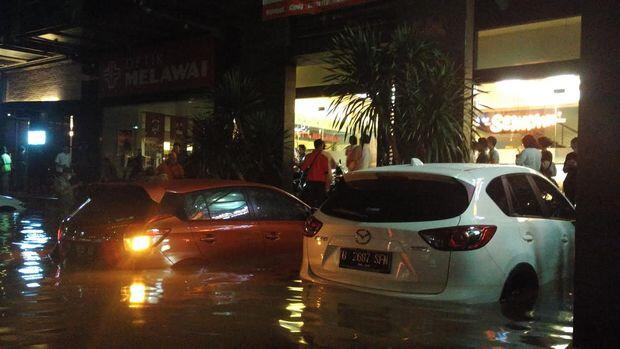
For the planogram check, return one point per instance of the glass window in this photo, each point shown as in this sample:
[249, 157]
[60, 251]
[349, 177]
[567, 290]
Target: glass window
[399, 199]
[218, 204]
[524, 200]
[557, 205]
[115, 204]
[271, 205]
[496, 192]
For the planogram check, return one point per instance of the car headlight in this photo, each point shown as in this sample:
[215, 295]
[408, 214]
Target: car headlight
[142, 242]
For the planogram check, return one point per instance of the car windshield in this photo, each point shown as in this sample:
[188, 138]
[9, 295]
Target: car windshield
[116, 204]
[399, 199]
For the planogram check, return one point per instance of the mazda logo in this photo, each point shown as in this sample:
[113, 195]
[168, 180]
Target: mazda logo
[362, 237]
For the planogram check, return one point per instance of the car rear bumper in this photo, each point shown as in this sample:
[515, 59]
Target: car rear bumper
[461, 289]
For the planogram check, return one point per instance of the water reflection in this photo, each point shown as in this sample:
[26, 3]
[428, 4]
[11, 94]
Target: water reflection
[41, 304]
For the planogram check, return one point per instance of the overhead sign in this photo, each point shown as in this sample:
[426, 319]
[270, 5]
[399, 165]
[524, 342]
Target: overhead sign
[283, 8]
[172, 66]
[519, 121]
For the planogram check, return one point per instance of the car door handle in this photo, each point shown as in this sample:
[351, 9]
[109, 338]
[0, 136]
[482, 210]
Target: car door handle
[528, 237]
[208, 238]
[272, 236]
[564, 238]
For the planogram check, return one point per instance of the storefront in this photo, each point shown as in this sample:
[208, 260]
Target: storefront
[528, 83]
[152, 96]
[314, 120]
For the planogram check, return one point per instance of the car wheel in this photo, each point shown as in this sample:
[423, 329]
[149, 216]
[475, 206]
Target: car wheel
[521, 286]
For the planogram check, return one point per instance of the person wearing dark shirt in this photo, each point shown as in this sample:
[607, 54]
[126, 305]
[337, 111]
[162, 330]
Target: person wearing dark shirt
[570, 168]
[318, 171]
[547, 167]
[482, 147]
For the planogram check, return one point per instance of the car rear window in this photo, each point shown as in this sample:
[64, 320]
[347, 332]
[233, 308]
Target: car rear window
[399, 199]
[116, 204]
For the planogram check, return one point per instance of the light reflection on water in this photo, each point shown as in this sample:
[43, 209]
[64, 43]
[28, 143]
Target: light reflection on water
[41, 304]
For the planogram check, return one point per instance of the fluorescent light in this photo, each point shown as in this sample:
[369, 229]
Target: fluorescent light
[36, 137]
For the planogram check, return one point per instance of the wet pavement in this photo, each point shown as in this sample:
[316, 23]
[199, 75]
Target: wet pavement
[44, 306]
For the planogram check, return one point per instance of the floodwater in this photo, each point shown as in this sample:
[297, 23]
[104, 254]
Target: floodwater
[43, 306]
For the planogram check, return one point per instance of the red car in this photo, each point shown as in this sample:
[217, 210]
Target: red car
[196, 221]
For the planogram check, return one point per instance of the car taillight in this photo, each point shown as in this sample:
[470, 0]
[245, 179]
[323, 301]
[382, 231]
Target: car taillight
[142, 242]
[464, 238]
[312, 226]
[59, 234]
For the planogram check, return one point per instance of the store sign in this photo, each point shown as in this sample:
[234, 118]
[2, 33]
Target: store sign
[284, 8]
[173, 66]
[154, 126]
[519, 121]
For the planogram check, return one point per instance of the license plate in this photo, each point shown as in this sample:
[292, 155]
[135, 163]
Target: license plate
[366, 260]
[85, 250]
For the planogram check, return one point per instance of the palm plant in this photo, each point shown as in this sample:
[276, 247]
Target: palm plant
[404, 90]
[234, 139]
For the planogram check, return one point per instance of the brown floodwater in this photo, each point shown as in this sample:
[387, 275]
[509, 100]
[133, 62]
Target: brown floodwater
[44, 306]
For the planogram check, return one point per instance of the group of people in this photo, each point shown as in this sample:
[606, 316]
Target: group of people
[318, 165]
[535, 155]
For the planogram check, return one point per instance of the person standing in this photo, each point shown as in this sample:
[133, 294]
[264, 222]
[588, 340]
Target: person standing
[20, 172]
[493, 153]
[318, 171]
[481, 147]
[63, 160]
[530, 156]
[547, 167]
[171, 168]
[366, 155]
[5, 170]
[570, 168]
[353, 154]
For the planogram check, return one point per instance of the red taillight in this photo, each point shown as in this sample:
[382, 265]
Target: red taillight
[59, 234]
[312, 227]
[465, 238]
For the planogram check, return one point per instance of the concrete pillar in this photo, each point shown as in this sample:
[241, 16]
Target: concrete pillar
[597, 275]
[290, 78]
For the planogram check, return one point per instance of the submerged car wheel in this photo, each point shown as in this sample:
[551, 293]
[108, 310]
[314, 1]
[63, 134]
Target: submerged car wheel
[521, 285]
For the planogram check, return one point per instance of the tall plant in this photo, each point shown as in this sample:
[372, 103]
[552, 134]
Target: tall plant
[234, 140]
[401, 88]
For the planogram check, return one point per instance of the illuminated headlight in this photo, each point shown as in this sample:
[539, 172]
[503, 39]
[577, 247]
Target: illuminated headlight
[138, 243]
[142, 242]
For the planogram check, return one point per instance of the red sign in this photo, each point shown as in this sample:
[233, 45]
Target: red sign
[154, 127]
[178, 128]
[283, 8]
[172, 66]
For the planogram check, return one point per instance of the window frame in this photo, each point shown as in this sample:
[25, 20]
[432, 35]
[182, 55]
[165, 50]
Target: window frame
[547, 209]
[504, 184]
[286, 196]
[510, 194]
[251, 215]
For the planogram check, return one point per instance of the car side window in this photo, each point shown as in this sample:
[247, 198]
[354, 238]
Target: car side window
[523, 198]
[271, 205]
[556, 204]
[217, 204]
[496, 192]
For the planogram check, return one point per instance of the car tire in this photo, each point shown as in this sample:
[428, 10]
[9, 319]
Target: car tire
[521, 286]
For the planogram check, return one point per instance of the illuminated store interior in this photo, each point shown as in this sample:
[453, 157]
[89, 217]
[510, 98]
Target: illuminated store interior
[510, 109]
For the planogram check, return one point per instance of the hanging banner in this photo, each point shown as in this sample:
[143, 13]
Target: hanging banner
[178, 129]
[284, 8]
[154, 126]
[182, 65]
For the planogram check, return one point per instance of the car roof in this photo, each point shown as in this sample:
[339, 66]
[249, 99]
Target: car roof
[466, 172]
[182, 186]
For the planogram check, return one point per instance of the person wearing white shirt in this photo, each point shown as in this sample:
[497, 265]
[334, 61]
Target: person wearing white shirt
[530, 156]
[63, 160]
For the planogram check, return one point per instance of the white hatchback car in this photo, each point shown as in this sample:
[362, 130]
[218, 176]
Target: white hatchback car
[456, 232]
